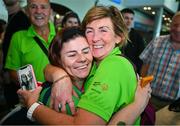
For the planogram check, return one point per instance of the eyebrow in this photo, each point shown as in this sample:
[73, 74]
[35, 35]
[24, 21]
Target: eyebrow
[104, 27]
[74, 51]
[99, 27]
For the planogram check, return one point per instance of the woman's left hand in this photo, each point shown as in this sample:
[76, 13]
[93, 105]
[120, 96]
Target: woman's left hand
[29, 97]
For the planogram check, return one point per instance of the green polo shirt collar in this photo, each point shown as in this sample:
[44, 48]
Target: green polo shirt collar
[31, 33]
[115, 51]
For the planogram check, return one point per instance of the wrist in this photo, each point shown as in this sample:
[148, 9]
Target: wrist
[138, 105]
[60, 78]
[31, 109]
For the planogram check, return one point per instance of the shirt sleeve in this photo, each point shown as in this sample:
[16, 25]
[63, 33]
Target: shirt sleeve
[13, 57]
[146, 55]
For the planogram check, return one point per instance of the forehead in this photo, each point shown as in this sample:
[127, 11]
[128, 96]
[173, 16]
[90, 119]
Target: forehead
[72, 19]
[127, 15]
[176, 20]
[76, 43]
[100, 23]
[38, 1]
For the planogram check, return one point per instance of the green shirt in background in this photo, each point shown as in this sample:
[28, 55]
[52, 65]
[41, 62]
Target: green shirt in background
[24, 50]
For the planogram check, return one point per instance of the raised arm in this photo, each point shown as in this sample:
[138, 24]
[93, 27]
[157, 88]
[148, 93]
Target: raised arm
[130, 113]
[61, 89]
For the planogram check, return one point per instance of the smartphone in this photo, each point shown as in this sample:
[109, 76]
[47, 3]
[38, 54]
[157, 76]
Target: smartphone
[26, 77]
[146, 80]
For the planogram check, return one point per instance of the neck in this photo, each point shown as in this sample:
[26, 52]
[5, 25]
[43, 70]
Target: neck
[176, 45]
[78, 83]
[43, 32]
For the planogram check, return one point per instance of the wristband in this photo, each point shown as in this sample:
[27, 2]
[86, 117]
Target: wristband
[31, 110]
[60, 78]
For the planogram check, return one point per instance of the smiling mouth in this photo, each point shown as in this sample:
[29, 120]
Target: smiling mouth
[81, 67]
[97, 46]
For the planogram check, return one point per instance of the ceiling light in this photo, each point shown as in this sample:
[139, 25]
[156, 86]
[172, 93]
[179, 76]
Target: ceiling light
[57, 16]
[145, 8]
[149, 8]
[153, 12]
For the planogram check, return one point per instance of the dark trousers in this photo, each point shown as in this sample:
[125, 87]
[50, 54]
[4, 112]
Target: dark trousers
[11, 95]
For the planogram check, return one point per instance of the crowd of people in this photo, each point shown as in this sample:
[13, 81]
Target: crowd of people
[85, 68]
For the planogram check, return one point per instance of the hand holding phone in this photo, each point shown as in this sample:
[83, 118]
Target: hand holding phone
[146, 80]
[27, 78]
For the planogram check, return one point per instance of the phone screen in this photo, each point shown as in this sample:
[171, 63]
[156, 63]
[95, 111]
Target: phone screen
[27, 78]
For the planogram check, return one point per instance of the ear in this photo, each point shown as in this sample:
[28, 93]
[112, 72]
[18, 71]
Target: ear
[118, 39]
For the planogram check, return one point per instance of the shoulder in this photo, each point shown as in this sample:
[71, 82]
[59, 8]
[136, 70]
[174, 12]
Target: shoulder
[158, 41]
[115, 63]
[134, 33]
[20, 34]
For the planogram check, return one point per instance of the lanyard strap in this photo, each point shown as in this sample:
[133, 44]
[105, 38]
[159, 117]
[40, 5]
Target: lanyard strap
[44, 49]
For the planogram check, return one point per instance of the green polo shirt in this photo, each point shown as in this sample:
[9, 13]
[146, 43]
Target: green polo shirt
[45, 97]
[110, 86]
[24, 50]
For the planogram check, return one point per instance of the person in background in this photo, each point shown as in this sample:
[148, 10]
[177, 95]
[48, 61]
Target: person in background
[136, 43]
[2, 29]
[3, 20]
[161, 59]
[3, 23]
[24, 49]
[70, 19]
[17, 20]
[57, 21]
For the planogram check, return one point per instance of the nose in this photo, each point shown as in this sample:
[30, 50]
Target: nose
[81, 58]
[38, 9]
[96, 36]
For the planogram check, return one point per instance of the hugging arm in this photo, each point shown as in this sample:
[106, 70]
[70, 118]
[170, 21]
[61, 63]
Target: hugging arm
[61, 89]
[45, 115]
[130, 113]
[127, 115]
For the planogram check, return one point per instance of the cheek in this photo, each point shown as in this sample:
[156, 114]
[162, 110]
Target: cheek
[89, 39]
[90, 58]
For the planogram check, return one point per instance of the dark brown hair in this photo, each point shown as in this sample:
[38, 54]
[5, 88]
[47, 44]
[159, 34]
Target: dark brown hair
[63, 36]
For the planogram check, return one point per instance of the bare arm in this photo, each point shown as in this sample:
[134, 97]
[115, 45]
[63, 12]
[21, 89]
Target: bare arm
[130, 113]
[61, 90]
[52, 73]
[45, 115]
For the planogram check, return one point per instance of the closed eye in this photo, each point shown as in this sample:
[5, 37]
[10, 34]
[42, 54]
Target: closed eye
[71, 54]
[86, 50]
[88, 31]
